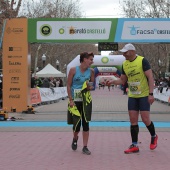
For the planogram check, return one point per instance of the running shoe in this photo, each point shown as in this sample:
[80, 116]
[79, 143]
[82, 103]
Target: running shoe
[86, 151]
[74, 144]
[154, 141]
[132, 149]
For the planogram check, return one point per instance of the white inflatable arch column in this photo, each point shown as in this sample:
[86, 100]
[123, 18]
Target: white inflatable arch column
[99, 60]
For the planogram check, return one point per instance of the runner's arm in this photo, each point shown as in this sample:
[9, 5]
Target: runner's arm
[69, 82]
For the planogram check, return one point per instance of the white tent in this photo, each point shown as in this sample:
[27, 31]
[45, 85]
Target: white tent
[50, 71]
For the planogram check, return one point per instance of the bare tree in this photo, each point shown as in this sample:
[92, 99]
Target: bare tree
[52, 9]
[64, 53]
[55, 9]
[8, 10]
[146, 8]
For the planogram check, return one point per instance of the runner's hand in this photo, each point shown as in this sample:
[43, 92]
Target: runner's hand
[71, 103]
[151, 99]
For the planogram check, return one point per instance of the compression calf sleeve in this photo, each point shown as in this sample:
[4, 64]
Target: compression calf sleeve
[134, 129]
[151, 129]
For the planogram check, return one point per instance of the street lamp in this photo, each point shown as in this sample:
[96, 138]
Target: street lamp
[65, 70]
[160, 62]
[37, 69]
[43, 59]
[57, 64]
[65, 65]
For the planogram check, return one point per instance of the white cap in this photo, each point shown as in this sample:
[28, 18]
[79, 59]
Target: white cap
[127, 47]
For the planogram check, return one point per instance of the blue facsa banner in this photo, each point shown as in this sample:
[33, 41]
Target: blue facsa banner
[143, 30]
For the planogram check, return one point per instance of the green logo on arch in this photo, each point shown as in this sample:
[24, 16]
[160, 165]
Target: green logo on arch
[46, 30]
[61, 31]
[105, 60]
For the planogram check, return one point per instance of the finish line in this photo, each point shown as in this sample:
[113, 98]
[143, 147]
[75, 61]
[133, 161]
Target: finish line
[64, 124]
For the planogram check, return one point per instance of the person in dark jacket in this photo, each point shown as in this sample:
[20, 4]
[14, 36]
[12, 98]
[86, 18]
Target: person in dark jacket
[32, 82]
[46, 83]
[61, 83]
[38, 82]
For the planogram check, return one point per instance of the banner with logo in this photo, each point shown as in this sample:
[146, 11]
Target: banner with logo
[16, 65]
[93, 30]
[99, 60]
[50, 94]
[143, 30]
[71, 30]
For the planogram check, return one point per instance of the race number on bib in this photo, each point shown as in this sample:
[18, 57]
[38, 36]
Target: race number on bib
[135, 87]
[77, 95]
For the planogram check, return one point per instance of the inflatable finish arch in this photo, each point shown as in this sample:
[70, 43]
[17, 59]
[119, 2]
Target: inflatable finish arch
[99, 60]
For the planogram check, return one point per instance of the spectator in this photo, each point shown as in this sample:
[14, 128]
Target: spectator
[52, 82]
[100, 85]
[163, 83]
[46, 83]
[169, 82]
[61, 83]
[108, 85]
[57, 82]
[38, 81]
[32, 82]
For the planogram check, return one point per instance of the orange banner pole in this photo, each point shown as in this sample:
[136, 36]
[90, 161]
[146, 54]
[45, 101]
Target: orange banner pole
[16, 66]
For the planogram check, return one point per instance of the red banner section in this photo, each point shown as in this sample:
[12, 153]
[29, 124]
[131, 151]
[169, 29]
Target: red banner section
[41, 95]
[35, 96]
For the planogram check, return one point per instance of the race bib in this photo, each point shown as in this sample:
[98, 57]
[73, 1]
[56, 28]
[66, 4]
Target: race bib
[134, 87]
[77, 95]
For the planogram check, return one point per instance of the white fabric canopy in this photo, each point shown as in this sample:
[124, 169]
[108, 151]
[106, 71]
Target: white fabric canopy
[50, 71]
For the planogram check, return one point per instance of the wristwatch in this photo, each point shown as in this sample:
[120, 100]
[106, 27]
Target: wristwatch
[151, 94]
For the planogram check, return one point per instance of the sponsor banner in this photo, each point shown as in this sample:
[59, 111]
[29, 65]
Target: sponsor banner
[61, 30]
[107, 69]
[63, 91]
[16, 66]
[71, 30]
[50, 94]
[35, 96]
[164, 96]
[107, 74]
[111, 60]
[100, 60]
[143, 30]
[94, 30]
